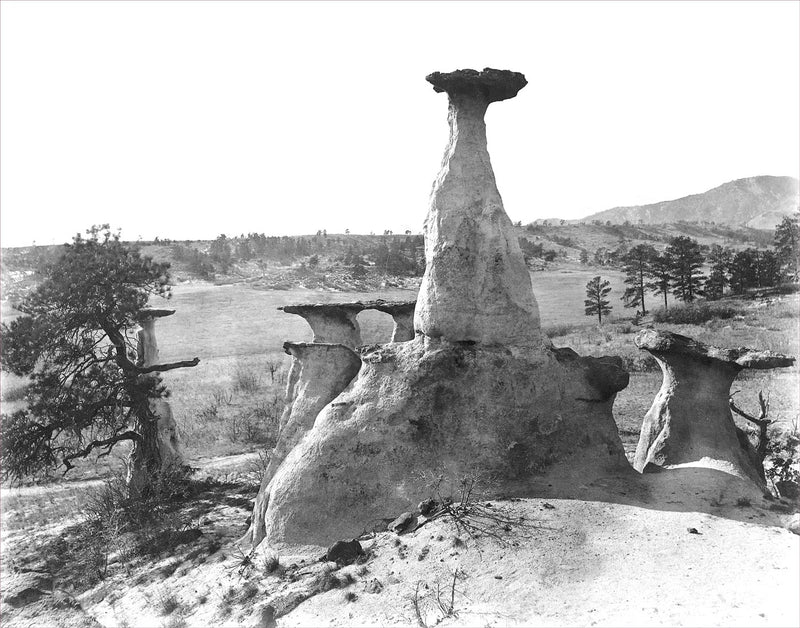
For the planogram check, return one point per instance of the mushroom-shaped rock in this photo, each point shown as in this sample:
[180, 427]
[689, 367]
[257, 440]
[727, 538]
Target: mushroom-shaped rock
[169, 445]
[320, 371]
[477, 391]
[476, 285]
[333, 323]
[402, 312]
[690, 422]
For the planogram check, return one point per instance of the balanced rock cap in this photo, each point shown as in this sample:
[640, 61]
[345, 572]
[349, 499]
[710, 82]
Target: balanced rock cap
[493, 84]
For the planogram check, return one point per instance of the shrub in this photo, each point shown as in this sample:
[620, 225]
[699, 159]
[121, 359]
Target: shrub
[246, 381]
[558, 329]
[782, 463]
[694, 314]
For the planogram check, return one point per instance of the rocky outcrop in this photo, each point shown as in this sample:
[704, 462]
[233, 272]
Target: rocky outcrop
[690, 422]
[333, 323]
[476, 286]
[319, 373]
[428, 407]
[147, 352]
[477, 392]
[402, 312]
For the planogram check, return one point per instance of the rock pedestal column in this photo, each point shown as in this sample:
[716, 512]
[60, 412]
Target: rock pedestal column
[403, 315]
[476, 285]
[169, 446]
[690, 422]
[321, 371]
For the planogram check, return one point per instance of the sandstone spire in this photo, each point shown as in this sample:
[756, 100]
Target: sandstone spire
[476, 285]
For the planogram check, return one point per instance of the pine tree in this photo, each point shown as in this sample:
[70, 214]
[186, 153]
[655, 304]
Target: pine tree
[660, 275]
[719, 258]
[686, 258]
[787, 246]
[596, 303]
[636, 264]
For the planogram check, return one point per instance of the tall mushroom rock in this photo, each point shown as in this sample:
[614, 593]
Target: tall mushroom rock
[690, 422]
[478, 391]
[476, 285]
[147, 349]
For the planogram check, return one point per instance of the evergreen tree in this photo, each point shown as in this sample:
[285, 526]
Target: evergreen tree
[719, 258]
[787, 247]
[89, 390]
[636, 265]
[596, 303]
[660, 275]
[686, 258]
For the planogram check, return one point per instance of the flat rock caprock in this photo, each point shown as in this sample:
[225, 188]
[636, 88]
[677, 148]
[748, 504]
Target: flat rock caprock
[333, 323]
[690, 422]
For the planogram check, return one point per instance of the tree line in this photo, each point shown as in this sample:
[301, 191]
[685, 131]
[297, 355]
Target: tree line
[392, 254]
[679, 270]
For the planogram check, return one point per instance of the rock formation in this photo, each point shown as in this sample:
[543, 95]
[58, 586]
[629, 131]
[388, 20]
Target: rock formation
[333, 323]
[403, 314]
[319, 373]
[476, 285]
[690, 422]
[477, 391]
[147, 350]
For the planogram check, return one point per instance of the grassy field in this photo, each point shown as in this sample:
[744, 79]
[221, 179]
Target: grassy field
[231, 401]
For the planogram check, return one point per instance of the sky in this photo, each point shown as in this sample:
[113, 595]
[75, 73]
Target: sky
[187, 120]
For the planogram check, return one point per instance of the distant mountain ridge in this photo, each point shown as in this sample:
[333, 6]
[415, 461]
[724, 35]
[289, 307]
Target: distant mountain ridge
[756, 202]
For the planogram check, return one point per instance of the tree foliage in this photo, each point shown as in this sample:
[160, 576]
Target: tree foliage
[88, 389]
[787, 246]
[686, 261]
[636, 265]
[596, 304]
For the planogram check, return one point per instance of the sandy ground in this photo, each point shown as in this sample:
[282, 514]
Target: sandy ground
[616, 552]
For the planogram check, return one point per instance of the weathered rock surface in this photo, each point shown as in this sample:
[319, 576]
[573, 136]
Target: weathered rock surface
[690, 422]
[332, 323]
[169, 445]
[344, 552]
[476, 285]
[403, 314]
[428, 407]
[477, 392]
[319, 373]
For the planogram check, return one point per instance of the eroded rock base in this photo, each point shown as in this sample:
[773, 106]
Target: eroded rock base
[425, 409]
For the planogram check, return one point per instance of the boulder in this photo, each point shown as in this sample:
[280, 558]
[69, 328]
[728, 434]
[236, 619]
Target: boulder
[332, 323]
[690, 422]
[476, 286]
[319, 373]
[344, 552]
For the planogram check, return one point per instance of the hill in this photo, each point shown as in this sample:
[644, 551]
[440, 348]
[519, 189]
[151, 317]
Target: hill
[756, 202]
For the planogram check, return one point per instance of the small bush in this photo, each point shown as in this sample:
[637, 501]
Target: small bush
[167, 603]
[271, 563]
[694, 314]
[246, 381]
[558, 329]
